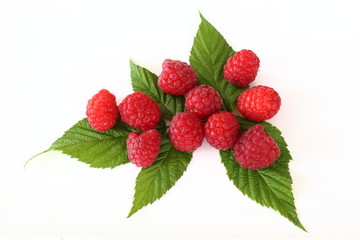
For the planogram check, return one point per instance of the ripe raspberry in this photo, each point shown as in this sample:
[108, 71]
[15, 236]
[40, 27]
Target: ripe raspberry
[186, 132]
[102, 111]
[140, 111]
[177, 78]
[203, 101]
[255, 149]
[222, 130]
[259, 103]
[241, 69]
[143, 148]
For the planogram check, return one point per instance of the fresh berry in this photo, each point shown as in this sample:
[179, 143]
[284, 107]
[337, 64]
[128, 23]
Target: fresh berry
[177, 78]
[143, 148]
[222, 130]
[241, 69]
[255, 149]
[259, 103]
[203, 101]
[102, 111]
[140, 111]
[186, 132]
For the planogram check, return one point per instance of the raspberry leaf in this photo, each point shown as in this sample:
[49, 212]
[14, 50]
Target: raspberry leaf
[154, 181]
[270, 187]
[99, 149]
[145, 81]
[209, 54]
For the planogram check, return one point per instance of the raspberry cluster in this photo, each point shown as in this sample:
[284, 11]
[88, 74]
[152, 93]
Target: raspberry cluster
[253, 149]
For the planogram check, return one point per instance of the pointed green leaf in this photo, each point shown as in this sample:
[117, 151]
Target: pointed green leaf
[145, 81]
[154, 181]
[270, 187]
[209, 54]
[99, 149]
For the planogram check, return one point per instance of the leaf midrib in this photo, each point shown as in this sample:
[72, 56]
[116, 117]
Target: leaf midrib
[161, 162]
[90, 141]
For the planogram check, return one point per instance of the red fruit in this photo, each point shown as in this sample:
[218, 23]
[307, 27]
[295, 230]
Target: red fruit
[222, 130]
[143, 148]
[203, 101]
[102, 111]
[241, 69]
[186, 132]
[255, 149]
[177, 78]
[140, 111]
[259, 103]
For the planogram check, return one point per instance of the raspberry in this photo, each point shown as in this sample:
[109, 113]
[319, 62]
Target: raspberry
[259, 103]
[241, 69]
[203, 101]
[143, 148]
[177, 78]
[186, 132]
[102, 111]
[222, 130]
[255, 149]
[140, 111]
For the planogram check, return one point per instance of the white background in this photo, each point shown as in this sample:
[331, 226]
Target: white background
[54, 55]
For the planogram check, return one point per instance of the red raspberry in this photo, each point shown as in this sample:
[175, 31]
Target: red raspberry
[177, 78]
[102, 111]
[241, 69]
[186, 132]
[140, 111]
[259, 103]
[255, 149]
[203, 101]
[143, 148]
[222, 130]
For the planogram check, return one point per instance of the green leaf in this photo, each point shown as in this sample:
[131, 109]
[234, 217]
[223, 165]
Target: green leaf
[99, 149]
[153, 182]
[145, 81]
[161, 127]
[270, 187]
[209, 54]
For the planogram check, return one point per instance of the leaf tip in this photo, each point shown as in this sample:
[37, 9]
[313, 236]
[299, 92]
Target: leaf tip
[201, 16]
[131, 61]
[132, 211]
[27, 162]
[301, 227]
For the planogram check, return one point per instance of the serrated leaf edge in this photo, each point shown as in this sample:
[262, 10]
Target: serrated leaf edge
[172, 183]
